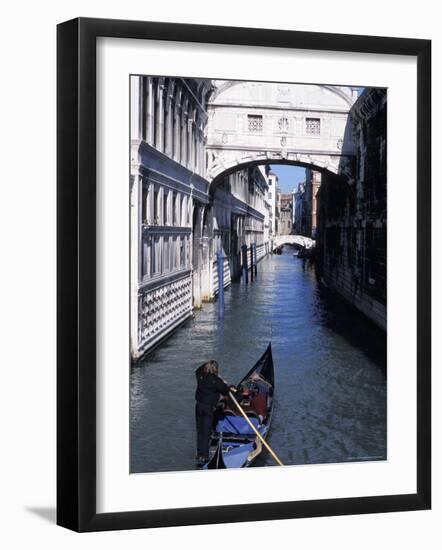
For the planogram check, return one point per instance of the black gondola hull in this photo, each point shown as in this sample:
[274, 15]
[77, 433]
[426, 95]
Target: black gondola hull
[234, 444]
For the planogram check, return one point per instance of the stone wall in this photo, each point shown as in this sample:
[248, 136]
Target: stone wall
[352, 215]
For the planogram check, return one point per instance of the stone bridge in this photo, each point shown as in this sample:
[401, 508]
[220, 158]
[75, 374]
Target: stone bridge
[263, 122]
[292, 239]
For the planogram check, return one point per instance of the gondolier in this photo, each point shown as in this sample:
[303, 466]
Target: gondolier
[210, 387]
[243, 419]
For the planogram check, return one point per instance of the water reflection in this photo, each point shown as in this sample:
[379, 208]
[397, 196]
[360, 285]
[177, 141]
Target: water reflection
[330, 376]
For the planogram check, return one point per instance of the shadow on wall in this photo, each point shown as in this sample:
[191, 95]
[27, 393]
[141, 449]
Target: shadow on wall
[352, 218]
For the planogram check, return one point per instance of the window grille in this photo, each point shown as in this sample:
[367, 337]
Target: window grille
[313, 126]
[255, 123]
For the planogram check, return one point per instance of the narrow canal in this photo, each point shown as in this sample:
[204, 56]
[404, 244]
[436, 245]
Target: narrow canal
[330, 373]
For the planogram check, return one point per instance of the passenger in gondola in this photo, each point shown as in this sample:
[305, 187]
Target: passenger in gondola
[210, 387]
[260, 395]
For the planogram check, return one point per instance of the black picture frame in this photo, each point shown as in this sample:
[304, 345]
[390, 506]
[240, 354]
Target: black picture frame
[76, 273]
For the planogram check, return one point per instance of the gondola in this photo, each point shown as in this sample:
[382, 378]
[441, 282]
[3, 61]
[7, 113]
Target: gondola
[233, 443]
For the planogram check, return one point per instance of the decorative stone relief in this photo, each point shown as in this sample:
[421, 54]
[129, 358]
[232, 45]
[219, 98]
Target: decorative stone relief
[283, 92]
[160, 308]
[283, 124]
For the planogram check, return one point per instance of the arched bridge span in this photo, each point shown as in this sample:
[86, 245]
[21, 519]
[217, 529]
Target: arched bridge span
[264, 122]
[299, 240]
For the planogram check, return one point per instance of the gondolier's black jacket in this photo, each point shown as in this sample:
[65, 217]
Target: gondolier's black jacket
[209, 387]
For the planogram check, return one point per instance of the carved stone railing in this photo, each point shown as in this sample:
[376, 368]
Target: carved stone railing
[162, 308]
[260, 251]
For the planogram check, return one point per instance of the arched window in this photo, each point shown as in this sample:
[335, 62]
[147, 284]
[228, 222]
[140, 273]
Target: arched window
[155, 113]
[166, 199]
[195, 142]
[144, 213]
[184, 212]
[183, 147]
[145, 103]
[165, 106]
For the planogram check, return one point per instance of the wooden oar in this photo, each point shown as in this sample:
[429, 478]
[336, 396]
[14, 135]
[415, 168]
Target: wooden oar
[263, 441]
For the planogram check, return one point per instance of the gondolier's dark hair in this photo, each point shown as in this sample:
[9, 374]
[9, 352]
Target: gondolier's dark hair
[211, 367]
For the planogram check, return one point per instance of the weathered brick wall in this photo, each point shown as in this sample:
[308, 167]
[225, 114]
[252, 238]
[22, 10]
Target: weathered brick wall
[352, 215]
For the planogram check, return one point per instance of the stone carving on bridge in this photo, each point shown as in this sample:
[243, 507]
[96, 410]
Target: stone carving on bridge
[283, 124]
[283, 91]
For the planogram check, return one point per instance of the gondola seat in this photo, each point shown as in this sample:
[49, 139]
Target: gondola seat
[237, 424]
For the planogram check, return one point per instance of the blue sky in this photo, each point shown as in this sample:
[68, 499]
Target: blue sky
[289, 176]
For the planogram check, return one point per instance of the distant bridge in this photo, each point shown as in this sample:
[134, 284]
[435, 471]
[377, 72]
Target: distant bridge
[300, 240]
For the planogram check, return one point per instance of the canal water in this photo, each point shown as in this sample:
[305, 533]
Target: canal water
[330, 373]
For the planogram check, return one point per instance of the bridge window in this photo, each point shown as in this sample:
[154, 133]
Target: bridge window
[255, 123]
[313, 126]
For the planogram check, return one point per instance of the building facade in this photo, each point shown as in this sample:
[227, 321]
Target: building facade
[312, 185]
[352, 216]
[285, 207]
[235, 218]
[273, 191]
[305, 204]
[180, 220]
[299, 213]
[168, 192]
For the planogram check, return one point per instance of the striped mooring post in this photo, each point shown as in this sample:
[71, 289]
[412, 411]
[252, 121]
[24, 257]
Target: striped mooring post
[244, 269]
[251, 263]
[255, 260]
[220, 269]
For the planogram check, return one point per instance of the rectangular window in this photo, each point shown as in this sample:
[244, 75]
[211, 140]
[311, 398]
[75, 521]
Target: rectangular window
[153, 259]
[145, 259]
[174, 207]
[171, 249]
[148, 204]
[166, 254]
[166, 208]
[313, 126]
[144, 203]
[175, 253]
[156, 211]
[255, 123]
[156, 256]
[182, 257]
